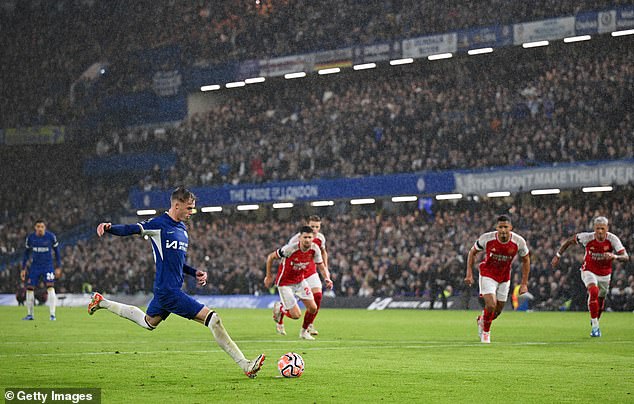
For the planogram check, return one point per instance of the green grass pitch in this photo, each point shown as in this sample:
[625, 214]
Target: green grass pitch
[360, 356]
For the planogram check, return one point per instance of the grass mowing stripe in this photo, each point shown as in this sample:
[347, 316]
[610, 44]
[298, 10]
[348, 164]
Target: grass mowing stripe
[426, 345]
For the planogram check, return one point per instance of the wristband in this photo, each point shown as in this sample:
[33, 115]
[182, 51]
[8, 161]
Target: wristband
[558, 254]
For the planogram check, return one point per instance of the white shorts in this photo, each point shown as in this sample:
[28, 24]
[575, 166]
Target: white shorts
[287, 294]
[603, 282]
[313, 281]
[489, 286]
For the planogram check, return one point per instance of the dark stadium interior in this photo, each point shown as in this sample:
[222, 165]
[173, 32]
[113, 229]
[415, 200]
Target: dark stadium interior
[565, 103]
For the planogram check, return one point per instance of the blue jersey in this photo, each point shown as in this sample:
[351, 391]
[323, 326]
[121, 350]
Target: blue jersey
[169, 244]
[42, 249]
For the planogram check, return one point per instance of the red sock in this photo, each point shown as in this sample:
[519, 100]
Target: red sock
[488, 318]
[308, 319]
[601, 305]
[593, 301]
[318, 297]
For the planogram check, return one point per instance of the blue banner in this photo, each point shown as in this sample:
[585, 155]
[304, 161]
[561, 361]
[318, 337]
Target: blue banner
[573, 175]
[377, 52]
[198, 76]
[587, 23]
[248, 69]
[343, 188]
[488, 37]
[625, 17]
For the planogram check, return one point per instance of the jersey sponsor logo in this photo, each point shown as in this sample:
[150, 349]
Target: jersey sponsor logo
[40, 249]
[500, 257]
[176, 245]
[299, 266]
[598, 256]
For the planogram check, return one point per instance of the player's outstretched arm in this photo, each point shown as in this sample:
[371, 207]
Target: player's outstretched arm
[118, 229]
[562, 249]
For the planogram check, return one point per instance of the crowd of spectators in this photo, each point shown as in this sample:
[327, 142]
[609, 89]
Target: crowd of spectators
[376, 253]
[48, 45]
[568, 104]
[46, 182]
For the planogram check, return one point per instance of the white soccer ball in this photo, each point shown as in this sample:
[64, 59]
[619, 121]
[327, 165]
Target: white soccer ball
[291, 364]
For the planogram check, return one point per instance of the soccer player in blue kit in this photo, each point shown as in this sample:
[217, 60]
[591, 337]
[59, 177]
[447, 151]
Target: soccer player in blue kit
[169, 238]
[41, 244]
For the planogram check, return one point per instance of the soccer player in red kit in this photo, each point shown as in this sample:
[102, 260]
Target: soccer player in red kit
[500, 247]
[602, 247]
[290, 282]
[311, 276]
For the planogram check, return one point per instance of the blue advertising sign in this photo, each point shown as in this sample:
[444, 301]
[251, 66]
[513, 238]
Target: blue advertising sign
[488, 37]
[625, 17]
[573, 175]
[377, 52]
[587, 23]
[364, 187]
[198, 76]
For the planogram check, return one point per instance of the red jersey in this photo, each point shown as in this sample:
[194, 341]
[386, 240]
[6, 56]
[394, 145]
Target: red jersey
[320, 240]
[594, 259]
[296, 262]
[499, 256]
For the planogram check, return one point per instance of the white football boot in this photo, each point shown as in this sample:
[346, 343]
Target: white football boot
[304, 334]
[311, 329]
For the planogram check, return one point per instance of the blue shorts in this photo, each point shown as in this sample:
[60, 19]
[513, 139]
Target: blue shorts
[173, 301]
[36, 273]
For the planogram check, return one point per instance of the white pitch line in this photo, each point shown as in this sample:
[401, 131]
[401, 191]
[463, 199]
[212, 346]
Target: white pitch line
[430, 345]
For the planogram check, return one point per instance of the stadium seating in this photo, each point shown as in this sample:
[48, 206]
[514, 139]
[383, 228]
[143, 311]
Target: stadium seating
[372, 253]
[46, 59]
[568, 103]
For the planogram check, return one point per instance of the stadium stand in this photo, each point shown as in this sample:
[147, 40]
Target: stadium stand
[47, 57]
[516, 108]
[565, 105]
[373, 252]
